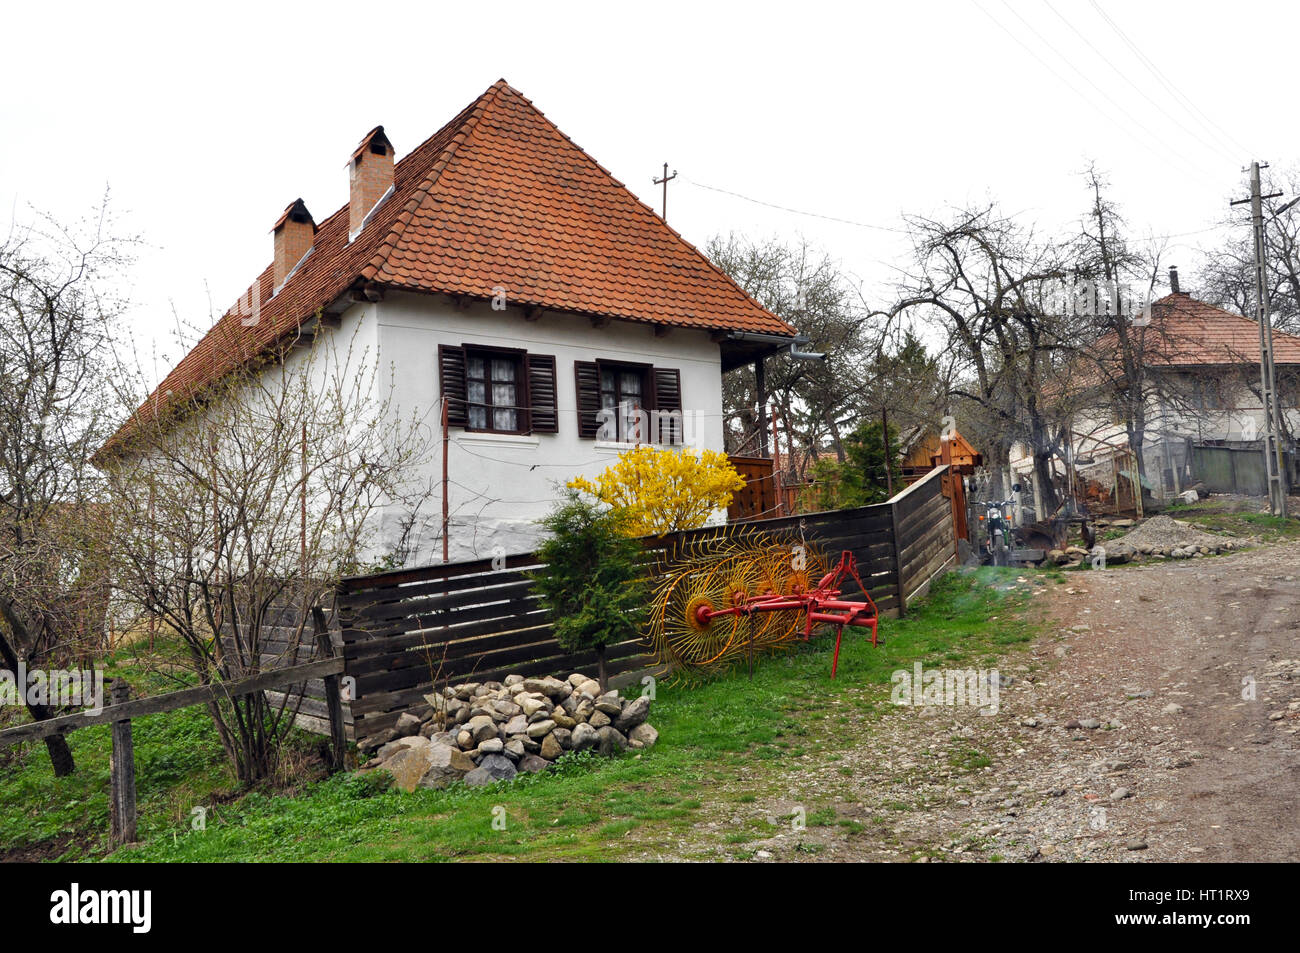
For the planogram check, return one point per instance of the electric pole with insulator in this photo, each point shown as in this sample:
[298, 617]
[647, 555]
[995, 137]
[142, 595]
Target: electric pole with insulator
[1277, 486]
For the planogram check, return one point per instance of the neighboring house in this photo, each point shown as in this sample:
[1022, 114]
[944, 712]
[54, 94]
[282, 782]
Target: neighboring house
[500, 267]
[1205, 419]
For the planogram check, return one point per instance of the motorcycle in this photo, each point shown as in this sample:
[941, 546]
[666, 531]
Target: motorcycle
[996, 523]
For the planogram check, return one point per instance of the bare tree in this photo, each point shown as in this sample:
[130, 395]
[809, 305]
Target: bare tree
[1227, 278]
[56, 309]
[1122, 345]
[239, 507]
[980, 278]
[816, 402]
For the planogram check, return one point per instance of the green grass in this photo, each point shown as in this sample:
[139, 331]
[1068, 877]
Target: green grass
[588, 808]
[1216, 517]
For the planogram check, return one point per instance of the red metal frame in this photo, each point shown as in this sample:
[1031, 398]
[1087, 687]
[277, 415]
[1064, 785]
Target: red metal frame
[822, 605]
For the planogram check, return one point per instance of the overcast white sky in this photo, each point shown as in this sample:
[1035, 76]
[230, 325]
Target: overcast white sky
[206, 120]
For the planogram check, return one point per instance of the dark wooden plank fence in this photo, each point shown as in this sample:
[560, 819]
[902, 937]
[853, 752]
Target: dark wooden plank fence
[407, 631]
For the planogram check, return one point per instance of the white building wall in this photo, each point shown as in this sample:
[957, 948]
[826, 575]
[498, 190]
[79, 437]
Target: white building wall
[500, 485]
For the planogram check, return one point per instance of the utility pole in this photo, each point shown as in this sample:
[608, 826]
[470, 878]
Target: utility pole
[663, 211]
[1267, 372]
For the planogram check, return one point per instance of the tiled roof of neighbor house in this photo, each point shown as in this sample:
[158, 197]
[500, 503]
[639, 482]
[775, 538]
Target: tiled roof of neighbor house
[498, 198]
[1191, 332]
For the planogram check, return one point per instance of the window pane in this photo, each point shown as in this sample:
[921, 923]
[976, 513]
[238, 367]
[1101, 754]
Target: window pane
[502, 369]
[503, 395]
[478, 418]
[476, 392]
[606, 380]
[504, 420]
[630, 382]
[474, 367]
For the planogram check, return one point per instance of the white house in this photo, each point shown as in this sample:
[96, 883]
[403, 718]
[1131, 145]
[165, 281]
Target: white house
[1204, 416]
[499, 272]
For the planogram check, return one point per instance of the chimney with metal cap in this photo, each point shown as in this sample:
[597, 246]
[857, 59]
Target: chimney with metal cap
[1173, 280]
[293, 234]
[370, 176]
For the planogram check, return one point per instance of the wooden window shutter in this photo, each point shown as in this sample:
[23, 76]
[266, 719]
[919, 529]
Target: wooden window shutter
[541, 393]
[668, 398]
[587, 376]
[451, 380]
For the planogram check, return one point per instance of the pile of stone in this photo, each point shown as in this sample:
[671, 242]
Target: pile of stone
[1165, 536]
[1159, 537]
[485, 732]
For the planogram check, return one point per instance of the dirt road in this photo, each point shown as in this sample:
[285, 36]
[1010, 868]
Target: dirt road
[1157, 720]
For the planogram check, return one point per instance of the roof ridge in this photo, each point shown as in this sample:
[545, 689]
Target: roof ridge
[745, 295]
[468, 119]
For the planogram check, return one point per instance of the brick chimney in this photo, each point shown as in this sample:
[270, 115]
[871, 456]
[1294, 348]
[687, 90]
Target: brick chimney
[370, 176]
[1173, 279]
[293, 235]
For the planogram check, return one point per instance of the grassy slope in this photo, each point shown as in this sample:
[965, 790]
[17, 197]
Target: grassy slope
[1214, 517]
[589, 808]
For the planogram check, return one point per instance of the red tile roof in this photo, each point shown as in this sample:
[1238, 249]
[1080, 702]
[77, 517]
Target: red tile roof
[498, 197]
[1191, 332]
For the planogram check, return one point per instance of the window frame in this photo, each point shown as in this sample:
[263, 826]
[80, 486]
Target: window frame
[522, 407]
[647, 395]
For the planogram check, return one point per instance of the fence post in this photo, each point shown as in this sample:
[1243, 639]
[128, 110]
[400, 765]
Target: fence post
[333, 699]
[122, 773]
[898, 558]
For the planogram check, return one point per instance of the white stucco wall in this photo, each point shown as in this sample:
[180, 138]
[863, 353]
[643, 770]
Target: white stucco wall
[499, 485]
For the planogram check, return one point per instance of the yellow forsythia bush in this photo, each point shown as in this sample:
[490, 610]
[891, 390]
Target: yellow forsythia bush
[662, 490]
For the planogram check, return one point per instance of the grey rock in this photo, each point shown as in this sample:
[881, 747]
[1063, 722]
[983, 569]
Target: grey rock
[445, 765]
[407, 725]
[636, 711]
[376, 741]
[532, 764]
[1091, 723]
[584, 737]
[609, 704]
[598, 719]
[517, 725]
[645, 734]
[491, 746]
[609, 741]
[479, 777]
[499, 766]
[481, 728]
[541, 729]
[531, 704]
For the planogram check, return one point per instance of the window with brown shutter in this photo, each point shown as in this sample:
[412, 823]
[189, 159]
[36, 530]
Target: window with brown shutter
[586, 376]
[541, 393]
[628, 388]
[498, 390]
[668, 402]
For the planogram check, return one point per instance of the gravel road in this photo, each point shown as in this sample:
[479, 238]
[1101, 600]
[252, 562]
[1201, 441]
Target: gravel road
[1157, 720]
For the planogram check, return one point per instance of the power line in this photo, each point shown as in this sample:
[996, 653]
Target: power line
[1140, 91]
[1155, 71]
[795, 211]
[1170, 155]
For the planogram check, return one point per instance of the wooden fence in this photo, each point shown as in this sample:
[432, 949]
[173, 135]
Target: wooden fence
[407, 631]
[122, 816]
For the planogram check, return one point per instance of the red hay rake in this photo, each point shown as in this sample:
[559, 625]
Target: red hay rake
[725, 599]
